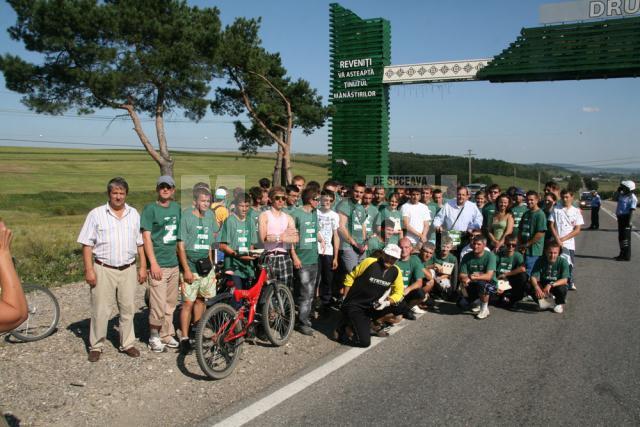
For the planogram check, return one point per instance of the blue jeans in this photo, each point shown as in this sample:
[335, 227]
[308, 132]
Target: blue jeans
[305, 289]
[529, 262]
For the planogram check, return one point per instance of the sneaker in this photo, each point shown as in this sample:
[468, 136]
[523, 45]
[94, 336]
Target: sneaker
[171, 343]
[559, 308]
[185, 346]
[417, 310]
[476, 306]
[573, 287]
[483, 314]
[304, 330]
[156, 345]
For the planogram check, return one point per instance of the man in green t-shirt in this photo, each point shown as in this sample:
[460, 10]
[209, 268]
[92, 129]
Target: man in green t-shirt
[372, 223]
[477, 277]
[195, 239]
[489, 208]
[440, 264]
[412, 275]
[305, 258]
[352, 233]
[532, 230]
[237, 238]
[550, 276]
[510, 267]
[159, 225]
[518, 209]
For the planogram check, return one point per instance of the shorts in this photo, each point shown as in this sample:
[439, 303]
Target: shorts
[203, 287]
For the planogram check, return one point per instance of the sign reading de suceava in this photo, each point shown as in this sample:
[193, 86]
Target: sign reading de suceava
[582, 10]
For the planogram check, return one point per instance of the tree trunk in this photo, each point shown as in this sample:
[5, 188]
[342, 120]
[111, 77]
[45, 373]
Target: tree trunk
[277, 169]
[286, 165]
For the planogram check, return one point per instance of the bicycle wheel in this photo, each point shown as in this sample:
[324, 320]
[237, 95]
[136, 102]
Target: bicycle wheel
[217, 358]
[44, 314]
[278, 314]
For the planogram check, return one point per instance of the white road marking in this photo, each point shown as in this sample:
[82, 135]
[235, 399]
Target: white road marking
[266, 403]
[612, 215]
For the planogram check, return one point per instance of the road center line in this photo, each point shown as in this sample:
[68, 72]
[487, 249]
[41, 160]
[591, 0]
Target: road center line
[635, 233]
[266, 403]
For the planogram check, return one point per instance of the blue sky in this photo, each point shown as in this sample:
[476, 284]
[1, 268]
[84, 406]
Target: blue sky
[594, 122]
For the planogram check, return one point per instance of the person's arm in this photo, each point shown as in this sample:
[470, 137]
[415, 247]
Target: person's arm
[576, 230]
[408, 227]
[187, 274]
[397, 288]
[344, 232]
[539, 235]
[228, 251]
[507, 231]
[262, 227]
[291, 234]
[142, 271]
[336, 245]
[87, 259]
[13, 305]
[156, 271]
[486, 277]
[438, 221]
[536, 287]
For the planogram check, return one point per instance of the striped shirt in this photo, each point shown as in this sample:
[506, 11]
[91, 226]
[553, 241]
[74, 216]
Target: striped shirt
[114, 240]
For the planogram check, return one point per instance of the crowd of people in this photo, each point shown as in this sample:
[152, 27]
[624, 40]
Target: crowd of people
[376, 256]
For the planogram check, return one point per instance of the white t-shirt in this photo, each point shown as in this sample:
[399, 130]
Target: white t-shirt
[328, 222]
[566, 219]
[417, 214]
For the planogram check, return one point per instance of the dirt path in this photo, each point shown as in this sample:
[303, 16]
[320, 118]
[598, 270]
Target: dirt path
[50, 382]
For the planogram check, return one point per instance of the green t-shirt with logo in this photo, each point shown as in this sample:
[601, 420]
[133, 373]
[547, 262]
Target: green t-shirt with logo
[356, 216]
[517, 212]
[450, 258]
[532, 223]
[240, 236]
[197, 235]
[396, 218]
[163, 224]
[307, 226]
[547, 273]
[411, 270]
[488, 210]
[372, 220]
[253, 216]
[471, 264]
[505, 263]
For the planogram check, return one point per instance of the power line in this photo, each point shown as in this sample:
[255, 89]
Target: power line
[95, 144]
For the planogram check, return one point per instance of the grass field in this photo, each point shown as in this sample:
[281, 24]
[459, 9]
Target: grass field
[45, 195]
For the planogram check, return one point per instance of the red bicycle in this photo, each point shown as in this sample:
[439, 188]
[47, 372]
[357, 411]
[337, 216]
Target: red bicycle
[222, 329]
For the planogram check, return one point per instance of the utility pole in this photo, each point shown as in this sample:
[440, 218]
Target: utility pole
[469, 153]
[538, 181]
[514, 176]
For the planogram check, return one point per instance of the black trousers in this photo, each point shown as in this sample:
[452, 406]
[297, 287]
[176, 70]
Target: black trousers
[595, 217]
[624, 236]
[325, 278]
[518, 287]
[559, 292]
[360, 320]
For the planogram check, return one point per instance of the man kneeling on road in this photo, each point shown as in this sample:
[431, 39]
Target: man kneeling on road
[550, 276]
[477, 277]
[365, 286]
[412, 275]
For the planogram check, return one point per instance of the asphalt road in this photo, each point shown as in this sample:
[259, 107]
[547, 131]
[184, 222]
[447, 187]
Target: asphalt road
[526, 367]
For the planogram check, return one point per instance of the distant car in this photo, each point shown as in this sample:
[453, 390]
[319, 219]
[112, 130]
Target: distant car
[585, 200]
[474, 188]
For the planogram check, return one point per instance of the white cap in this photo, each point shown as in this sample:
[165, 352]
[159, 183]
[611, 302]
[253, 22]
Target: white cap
[221, 193]
[393, 250]
[629, 184]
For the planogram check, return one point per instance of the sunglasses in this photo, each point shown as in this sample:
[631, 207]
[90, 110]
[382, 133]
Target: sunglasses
[280, 198]
[316, 199]
[511, 245]
[164, 187]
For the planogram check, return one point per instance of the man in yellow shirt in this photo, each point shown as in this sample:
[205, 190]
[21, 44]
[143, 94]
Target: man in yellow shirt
[364, 289]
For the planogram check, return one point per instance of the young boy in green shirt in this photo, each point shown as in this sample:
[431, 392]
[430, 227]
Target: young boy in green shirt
[159, 225]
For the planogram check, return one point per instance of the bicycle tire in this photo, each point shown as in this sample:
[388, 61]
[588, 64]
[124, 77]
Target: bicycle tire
[278, 321]
[44, 314]
[216, 358]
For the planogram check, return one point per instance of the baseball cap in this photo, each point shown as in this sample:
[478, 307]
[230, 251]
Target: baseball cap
[393, 250]
[166, 179]
[221, 193]
[520, 192]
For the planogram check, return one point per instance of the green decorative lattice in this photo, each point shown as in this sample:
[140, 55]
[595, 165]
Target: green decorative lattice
[359, 126]
[594, 50]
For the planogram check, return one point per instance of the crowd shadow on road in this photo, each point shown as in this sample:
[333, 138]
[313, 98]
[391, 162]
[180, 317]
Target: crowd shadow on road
[11, 420]
[140, 325]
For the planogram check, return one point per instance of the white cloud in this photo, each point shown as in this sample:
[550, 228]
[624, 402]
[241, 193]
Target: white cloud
[590, 109]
